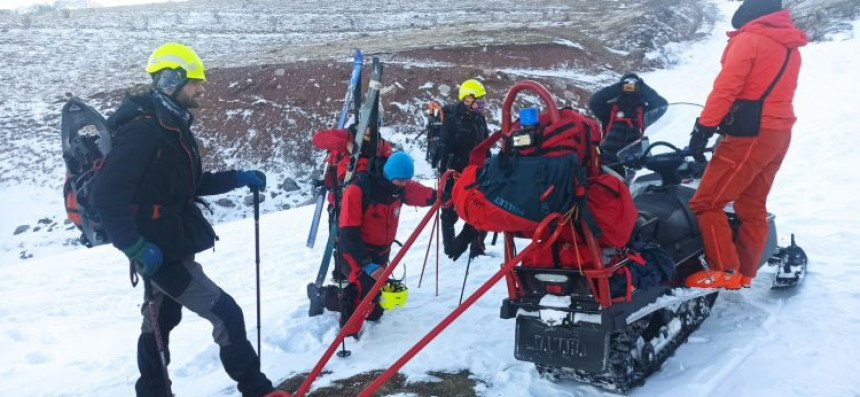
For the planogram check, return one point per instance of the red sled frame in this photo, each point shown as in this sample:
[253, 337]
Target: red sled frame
[546, 234]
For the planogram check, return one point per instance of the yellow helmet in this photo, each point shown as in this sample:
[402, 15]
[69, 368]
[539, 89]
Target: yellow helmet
[173, 56]
[472, 87]
[394, 294]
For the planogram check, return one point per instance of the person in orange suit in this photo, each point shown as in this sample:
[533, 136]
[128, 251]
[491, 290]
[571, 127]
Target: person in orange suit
[745, 163]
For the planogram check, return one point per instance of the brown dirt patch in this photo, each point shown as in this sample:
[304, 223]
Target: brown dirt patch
[456, 384]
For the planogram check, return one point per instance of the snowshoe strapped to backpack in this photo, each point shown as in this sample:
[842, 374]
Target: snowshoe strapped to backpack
[86, 141]
[435, 118]
[539, 170]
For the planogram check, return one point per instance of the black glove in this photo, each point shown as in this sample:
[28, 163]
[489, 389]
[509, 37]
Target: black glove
[699, 140]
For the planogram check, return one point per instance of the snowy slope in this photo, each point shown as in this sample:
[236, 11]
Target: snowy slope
[69, 323]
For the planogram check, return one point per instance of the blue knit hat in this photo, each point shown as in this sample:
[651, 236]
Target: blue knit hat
[399, 166]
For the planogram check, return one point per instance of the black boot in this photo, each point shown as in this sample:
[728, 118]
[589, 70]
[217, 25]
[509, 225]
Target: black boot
[477, 248]
[449, 219]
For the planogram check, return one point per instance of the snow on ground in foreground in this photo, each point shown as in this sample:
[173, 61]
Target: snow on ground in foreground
[70, 322]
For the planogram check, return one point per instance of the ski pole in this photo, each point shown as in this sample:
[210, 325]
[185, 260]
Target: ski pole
[465, 276]
[257, 249]
[156, 330]
[437, 252]
[427, 253]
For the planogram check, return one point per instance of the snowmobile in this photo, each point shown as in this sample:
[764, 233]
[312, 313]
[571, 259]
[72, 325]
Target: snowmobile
[572, 329]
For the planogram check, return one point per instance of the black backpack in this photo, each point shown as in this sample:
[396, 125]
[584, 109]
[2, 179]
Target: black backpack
[86, 141]
[435, 118]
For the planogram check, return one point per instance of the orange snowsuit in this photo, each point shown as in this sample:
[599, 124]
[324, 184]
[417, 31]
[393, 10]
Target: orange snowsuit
[742, 169]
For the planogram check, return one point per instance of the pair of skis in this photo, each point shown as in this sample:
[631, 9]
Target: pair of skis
[351, 98]
[367, 118]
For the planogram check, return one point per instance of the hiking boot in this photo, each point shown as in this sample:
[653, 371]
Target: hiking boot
[746, 282]
[705, 279]
[731, 280]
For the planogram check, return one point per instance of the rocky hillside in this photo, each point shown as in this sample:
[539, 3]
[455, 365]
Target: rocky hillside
[278, 70]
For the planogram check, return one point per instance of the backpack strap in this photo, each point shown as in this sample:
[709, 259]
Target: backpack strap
[778, 75]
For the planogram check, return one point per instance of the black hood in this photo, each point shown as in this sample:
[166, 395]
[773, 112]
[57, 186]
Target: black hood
[130, 109]
[145, 104]
[752, 9]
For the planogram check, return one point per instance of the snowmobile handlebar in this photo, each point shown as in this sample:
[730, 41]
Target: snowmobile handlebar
[637, 161]
[672, 166]
[538, 89]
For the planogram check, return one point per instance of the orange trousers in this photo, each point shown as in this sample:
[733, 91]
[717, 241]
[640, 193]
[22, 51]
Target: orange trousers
[742, 171]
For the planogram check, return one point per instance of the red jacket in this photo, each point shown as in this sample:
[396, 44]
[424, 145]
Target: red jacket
[750, 62]
[370, 214]
[336, 143]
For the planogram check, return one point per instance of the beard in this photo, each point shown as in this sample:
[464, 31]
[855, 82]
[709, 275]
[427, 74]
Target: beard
[187, 101]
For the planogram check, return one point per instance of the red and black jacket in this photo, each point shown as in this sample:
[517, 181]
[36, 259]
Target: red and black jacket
[369, 215]
[336, 143]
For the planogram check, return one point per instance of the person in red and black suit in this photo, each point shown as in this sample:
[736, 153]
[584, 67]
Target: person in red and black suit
[339, 144]
[369, 216]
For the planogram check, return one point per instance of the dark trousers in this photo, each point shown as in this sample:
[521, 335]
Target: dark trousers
[181, 284]
[345, 300]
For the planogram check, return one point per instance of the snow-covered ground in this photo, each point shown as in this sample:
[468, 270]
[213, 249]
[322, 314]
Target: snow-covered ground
[68, 323]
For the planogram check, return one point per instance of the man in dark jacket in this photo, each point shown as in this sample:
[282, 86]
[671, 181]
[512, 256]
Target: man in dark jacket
[463, 128]
[369, 216]
[625, 109]
[146, 196]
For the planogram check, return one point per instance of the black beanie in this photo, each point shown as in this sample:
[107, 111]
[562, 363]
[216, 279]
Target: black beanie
[631, 83]
[752, 9]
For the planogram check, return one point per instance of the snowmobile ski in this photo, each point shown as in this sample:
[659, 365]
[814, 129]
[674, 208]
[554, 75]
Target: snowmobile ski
[791, 264]
[86, 141]
[347, 102]
[368, 110]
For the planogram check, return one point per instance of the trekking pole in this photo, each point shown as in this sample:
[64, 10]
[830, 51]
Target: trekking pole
[465, 276]
[495, 237]
[257, 251]
[438, 227]
[427, 253]
[156, 330]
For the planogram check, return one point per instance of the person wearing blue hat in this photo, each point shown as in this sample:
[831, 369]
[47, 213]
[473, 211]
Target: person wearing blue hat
[369, 216]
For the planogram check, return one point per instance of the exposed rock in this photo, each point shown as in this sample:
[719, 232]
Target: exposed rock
[279, 72]
[45, 221]
[225, 202]
[21, 229]
[289, 185]
[249, 200]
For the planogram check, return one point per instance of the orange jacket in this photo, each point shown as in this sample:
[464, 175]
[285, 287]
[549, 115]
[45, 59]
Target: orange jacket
[751, 60]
